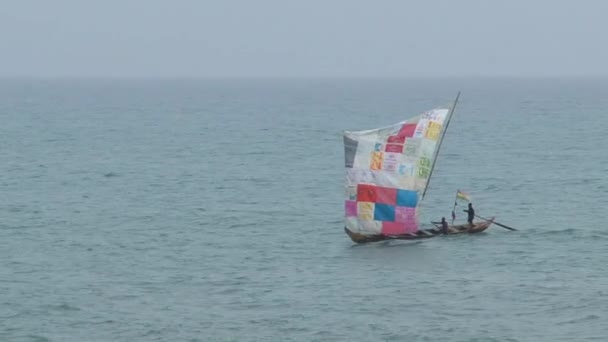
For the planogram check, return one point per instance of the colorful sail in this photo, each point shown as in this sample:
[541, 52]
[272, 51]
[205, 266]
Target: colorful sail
[387, 173]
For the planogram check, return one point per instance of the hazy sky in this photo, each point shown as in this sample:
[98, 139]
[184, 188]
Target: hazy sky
[303, 38]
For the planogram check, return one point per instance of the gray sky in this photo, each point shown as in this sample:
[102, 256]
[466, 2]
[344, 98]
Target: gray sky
[230, 38]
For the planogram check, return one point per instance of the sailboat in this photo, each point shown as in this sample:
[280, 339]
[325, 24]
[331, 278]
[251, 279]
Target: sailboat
[388, 171]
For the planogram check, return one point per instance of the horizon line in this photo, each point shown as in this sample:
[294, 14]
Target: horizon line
[294, 77]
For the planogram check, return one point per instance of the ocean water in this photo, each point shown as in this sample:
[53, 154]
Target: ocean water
[211, 210]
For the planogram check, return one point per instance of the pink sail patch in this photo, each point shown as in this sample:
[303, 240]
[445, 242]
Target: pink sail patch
[393, 228]
[395, 148]
[411, 226]
[386, 195]
[405, 214]
[407, 130]
[350, 208]
[396, 139]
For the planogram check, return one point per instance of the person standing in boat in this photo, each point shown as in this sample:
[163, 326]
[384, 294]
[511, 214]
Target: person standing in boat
[471, 213]
[444, 226]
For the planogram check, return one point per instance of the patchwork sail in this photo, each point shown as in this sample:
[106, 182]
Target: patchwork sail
[388, 171]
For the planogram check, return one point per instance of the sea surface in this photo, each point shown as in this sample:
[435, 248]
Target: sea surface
[212, 210]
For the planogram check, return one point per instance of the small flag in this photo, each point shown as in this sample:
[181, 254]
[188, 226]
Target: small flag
[463, 196]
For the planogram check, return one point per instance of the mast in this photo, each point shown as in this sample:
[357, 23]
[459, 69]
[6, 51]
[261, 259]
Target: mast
[447, 123]
[454, 207]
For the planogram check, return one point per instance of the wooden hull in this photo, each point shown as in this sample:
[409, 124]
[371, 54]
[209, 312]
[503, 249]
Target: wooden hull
[421, 234]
